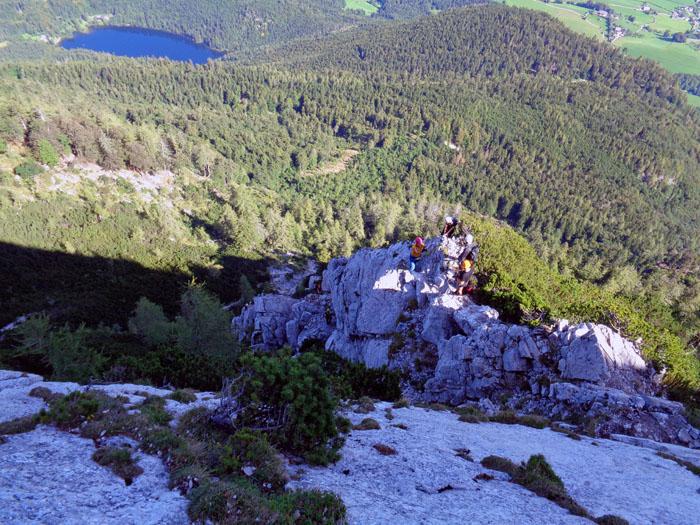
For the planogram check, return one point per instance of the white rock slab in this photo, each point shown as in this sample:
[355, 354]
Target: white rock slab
[47, 476]
[606, 477]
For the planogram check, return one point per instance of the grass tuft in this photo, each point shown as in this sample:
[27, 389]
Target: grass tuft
[404, 402]
[19, 425]
[384, 450]
[687, 464]
[365, 406]
[367, 424]
[501, 464]
[183, 396]
[120, 461]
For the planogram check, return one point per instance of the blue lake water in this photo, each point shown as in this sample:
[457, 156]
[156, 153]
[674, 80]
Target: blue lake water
[137, 42]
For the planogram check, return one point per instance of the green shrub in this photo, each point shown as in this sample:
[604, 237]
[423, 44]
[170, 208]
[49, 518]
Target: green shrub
[76, 408]
[537, 475]
[3, 147]
[309, 507]
[183, 396]
[150, 323]
[119, 460]
[153, 408]
[204, 327]
[227, 502]
[170, 362]
[291, 395]
[66, 351]
[160, 441]
[343, 424]
[46, 154]
[114, 423]
[197, 424]
[28, 169]
[247, 448]
[351, 380]
[367, 424]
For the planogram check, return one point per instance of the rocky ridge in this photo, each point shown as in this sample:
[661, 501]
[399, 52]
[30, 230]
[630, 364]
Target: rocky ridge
[455, 351]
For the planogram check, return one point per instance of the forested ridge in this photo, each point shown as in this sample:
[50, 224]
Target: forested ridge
[231, 25]
[364, 138]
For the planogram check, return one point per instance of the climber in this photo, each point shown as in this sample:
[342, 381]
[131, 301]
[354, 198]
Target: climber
[329, 315]
[417, 250]
[450, 226]
[466, 270]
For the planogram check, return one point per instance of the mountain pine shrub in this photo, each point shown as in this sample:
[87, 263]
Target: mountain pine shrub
[290, 396]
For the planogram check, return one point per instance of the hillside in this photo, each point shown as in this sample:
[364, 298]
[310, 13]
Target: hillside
[591, 155]
[28, 29]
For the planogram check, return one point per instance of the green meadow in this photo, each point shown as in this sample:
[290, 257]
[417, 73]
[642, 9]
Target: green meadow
[676, 57]
[693, 100]
[361, 5]
[666, 23]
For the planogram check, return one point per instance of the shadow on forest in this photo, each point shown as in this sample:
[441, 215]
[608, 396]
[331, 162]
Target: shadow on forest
[76, 288]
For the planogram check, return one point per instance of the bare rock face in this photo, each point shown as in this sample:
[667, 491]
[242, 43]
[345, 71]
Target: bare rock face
[274, 320]
[594, 352]
[48, 475]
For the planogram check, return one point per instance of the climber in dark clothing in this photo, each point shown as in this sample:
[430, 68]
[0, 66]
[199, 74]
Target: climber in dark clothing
[329, 315]
[466, 270]
[450, 226]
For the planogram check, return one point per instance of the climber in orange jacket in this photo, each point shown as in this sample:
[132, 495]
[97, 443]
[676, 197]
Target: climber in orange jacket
[466, 270]
[417, 250]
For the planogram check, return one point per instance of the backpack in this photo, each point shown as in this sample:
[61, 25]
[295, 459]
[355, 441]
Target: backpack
[471, 249]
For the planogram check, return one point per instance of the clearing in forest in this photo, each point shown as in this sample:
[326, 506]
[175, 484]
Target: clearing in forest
[335, 166]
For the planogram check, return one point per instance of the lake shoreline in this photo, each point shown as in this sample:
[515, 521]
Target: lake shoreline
[183, 41]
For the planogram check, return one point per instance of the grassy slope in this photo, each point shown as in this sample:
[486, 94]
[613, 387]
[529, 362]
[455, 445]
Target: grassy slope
[570, 15]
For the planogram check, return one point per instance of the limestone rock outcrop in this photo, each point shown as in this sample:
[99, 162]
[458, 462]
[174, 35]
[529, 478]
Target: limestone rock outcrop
[455, 351]
[275, 320]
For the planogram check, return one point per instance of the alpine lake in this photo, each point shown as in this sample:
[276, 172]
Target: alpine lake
[137, 42]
